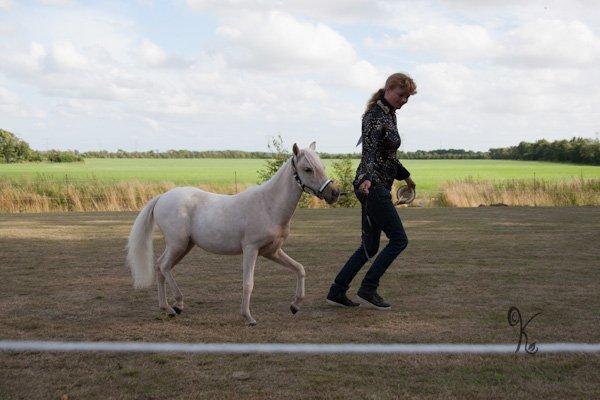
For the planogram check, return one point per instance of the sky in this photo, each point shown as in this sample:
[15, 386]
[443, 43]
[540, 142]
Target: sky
[231, 74]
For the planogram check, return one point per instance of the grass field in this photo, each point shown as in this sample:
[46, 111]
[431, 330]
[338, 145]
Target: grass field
[428, 174]
[62, 277]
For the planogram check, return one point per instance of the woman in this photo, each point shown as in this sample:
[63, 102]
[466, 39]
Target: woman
[376, 172]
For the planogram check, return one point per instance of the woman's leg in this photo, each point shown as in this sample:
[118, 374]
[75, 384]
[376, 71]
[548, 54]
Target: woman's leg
[369, 246]
[384, 214]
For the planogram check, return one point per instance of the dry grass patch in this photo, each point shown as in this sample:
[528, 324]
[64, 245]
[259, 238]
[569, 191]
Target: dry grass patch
[521, 192]
[41, 195]
[461, 272]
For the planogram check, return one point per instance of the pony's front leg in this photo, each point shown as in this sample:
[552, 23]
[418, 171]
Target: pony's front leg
[281, 258]
[250, 255]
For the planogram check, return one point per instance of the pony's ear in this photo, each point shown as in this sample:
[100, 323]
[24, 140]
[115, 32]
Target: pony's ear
[296, 149]
[313, 145]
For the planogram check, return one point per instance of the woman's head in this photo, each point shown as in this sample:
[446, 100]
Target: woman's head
[398, 87]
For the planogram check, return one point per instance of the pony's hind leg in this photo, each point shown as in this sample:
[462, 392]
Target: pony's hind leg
[160, 281]
[170, 258]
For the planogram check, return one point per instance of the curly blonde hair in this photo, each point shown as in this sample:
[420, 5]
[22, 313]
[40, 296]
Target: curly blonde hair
[393, 81]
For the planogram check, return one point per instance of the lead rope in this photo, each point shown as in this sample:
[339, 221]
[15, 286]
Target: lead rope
[364, 245]
[362, 239]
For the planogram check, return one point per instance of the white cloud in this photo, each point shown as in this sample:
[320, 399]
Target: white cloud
[386, 13]
[226, 5]
[55, 2]
[11, 104]
[91, 85]
[8, 100]
[6, 5]
[155, 56]
[516, 13]
[447, 42]
[89, 30]
[342, 11]
[26, 62]
[536, 43]
[498, 105]
[300, 68]
[66, 56]
[152, 54]
[277, 42]
[544, 43]
[7, 29]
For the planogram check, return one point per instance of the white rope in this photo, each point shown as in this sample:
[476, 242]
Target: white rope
[306, 348]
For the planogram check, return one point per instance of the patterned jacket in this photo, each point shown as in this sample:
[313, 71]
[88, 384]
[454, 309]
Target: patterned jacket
[380, 141]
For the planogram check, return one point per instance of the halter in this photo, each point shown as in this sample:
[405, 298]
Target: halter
[308, 189]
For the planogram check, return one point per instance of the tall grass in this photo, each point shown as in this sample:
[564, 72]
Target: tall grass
[46, 194]
[520, 192]
[42, 194]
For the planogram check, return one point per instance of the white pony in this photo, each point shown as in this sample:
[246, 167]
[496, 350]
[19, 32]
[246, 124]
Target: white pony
[254, 222]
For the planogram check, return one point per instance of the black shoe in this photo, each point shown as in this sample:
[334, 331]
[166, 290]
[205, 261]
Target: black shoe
[373, 300]
[340, 300]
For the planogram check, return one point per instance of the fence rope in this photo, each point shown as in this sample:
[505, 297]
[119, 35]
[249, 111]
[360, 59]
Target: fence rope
[291, 348]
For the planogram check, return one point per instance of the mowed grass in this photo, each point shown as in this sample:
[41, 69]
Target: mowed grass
[428, 174]
[62, 277]
[180, 171]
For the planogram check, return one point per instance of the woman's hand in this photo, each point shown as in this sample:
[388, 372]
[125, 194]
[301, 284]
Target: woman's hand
[410, 183]
[364, 187]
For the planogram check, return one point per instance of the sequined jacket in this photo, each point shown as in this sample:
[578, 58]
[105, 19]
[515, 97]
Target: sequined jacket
[380, 141]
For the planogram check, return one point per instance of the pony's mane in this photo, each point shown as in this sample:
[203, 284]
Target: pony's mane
[312, 160]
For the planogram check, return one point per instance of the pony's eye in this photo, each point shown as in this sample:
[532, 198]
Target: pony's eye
[308, 170]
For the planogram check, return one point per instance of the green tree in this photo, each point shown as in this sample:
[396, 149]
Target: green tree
[280, 156]
[13, 149]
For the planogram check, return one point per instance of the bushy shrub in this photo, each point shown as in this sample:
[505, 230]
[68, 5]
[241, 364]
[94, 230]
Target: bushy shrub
[63, 156]
[272, 165]
[343, 173]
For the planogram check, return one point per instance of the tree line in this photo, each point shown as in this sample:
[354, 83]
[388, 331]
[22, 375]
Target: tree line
[576, 150]
[13, 149]
[198, 154]
[457, 154]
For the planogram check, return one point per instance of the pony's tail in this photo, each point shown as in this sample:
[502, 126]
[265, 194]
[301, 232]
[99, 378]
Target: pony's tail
[140, 254]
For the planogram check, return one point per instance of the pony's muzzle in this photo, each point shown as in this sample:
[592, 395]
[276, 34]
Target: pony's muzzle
[333, 195]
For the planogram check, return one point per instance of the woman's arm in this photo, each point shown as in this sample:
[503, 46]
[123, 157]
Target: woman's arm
[372, 130]
[402, 174]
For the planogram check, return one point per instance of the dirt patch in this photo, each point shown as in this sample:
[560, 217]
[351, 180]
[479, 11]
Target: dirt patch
[62, 277]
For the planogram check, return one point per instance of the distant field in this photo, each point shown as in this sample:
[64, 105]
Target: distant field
[428, 174]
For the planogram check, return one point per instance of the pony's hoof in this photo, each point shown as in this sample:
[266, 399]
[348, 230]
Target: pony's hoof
[294, 309]
[177, 309]
[169, 311]
[252, 323]
[172, 315]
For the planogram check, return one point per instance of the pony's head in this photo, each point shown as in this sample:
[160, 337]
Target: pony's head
[311, 174]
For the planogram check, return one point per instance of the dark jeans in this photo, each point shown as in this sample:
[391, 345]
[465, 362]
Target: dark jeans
[378, 214]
